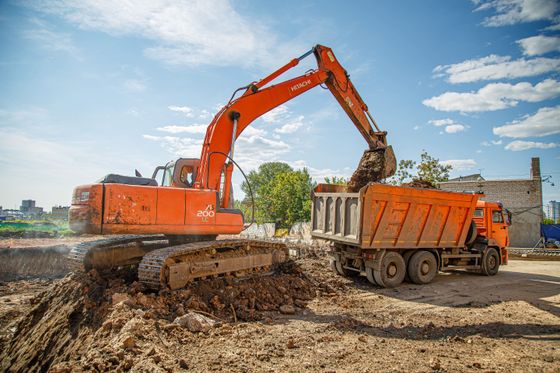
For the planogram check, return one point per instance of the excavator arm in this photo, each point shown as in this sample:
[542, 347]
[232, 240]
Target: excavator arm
[257, 99]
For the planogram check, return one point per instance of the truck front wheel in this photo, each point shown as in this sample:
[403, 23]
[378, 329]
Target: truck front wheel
[338, 268]
[422, 267]
[490, 262]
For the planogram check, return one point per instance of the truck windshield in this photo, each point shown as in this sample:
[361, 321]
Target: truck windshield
[478, 213]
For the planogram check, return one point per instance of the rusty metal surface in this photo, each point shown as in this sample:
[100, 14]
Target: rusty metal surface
[176, 266]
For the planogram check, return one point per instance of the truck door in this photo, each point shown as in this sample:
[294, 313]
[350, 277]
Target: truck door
[499, 228]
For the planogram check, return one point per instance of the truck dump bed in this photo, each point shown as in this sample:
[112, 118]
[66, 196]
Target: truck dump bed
[390, 217]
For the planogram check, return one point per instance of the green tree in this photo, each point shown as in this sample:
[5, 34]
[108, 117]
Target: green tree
[290, 198]
[281, 194]
[429, 169]
[337, 180]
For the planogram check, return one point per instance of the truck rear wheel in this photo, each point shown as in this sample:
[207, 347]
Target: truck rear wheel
[392, 270]
[422, 267]
[490, 262]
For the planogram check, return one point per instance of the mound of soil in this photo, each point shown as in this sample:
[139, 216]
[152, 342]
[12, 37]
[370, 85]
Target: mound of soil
[88, 322]
[422, 184]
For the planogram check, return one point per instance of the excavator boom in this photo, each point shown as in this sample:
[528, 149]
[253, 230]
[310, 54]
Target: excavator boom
[258, 98]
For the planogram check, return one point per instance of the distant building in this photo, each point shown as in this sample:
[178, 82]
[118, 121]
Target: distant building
[28, 208]
[552, 210]
[523, 197]
[60, 212]
[473, 177]
[11, 214]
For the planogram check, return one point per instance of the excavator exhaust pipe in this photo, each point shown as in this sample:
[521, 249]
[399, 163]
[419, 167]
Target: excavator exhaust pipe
[375, 165]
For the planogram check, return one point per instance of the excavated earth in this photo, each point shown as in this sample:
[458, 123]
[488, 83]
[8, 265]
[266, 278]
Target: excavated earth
[371, 168]
[302, 318]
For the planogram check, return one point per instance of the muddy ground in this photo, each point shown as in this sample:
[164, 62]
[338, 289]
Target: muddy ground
[460, 322]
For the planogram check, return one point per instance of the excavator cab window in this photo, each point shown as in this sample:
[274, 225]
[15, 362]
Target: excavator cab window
[187, 175]
[168, 174]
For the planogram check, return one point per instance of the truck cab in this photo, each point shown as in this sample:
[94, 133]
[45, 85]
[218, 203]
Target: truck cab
[492, 222]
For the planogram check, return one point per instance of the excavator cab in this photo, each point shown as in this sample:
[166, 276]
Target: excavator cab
[179, 174]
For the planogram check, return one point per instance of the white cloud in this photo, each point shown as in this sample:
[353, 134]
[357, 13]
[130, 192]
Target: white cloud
[204, 114]
[291, 127]
[441, 122]
[190, 32]
[182, 109]
[192, 129]
[520, 145]
[460, 164]
[450, 125]
[178, 146]
[319, 174]
[540, 44]
[276, 115]
[495, 67]
[134, 85]
[510, 12]
[253, 131]
[49, 39]
[545, 122]
[494, 96]
[454, 128]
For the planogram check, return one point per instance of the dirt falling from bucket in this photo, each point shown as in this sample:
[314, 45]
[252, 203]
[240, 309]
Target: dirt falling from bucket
[372, 168]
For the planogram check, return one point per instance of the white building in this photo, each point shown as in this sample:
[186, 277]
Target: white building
[552, 210]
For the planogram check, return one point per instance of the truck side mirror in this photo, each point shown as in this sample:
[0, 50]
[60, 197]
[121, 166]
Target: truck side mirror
[508, 219]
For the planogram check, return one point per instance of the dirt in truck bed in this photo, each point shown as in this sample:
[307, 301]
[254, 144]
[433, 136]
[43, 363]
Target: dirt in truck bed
[304, 318]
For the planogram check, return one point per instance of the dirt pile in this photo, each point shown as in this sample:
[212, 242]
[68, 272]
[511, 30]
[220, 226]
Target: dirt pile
[90, 322]
[421, 184]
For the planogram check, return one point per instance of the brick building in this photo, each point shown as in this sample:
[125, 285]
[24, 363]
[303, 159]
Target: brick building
[523, 197]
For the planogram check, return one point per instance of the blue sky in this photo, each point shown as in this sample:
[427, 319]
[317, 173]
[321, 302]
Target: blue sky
[94, 87]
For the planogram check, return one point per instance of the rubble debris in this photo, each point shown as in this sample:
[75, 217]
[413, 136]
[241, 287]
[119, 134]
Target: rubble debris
[91, 322]
[195, 322]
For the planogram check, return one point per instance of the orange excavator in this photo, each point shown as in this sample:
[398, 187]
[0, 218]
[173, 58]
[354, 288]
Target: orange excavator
[169, 229]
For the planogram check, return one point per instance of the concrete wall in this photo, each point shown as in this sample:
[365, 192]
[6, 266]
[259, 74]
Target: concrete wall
[522, 197]
[265, 230]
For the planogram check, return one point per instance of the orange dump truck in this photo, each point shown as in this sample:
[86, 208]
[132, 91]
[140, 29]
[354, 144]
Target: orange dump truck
[390, 233]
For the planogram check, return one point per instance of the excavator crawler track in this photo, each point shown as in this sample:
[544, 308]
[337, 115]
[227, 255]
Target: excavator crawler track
[109, 253]
[176, 266]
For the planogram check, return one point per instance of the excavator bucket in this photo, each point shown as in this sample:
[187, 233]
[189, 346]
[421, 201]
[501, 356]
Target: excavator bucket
[375, 165]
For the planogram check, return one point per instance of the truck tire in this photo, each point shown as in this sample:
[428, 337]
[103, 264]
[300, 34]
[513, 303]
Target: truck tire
[392, 270]
[422, 267]
[370, 276]
[339, 269]
[406, 256]
[490, 262]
